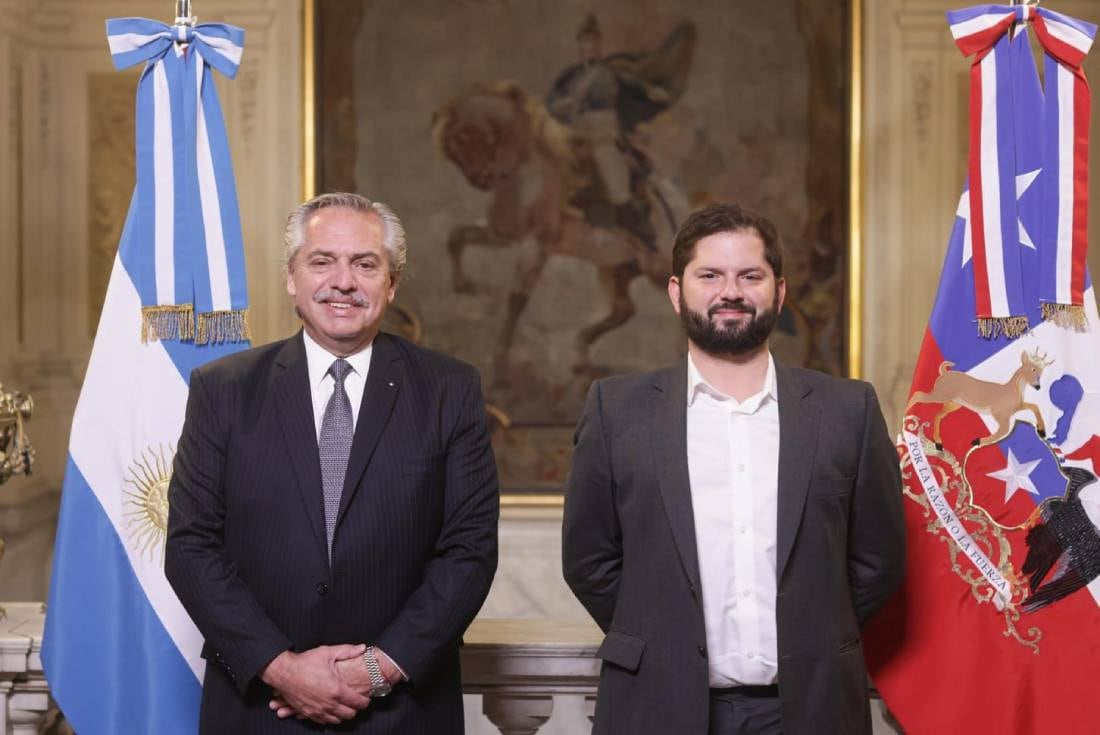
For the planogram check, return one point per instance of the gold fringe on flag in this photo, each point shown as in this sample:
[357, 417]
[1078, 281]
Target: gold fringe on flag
[222, 326]
[1010, 326]
[167, 322]
[1067, 316]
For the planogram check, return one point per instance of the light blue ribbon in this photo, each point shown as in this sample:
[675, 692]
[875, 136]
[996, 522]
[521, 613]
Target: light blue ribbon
[185, 221]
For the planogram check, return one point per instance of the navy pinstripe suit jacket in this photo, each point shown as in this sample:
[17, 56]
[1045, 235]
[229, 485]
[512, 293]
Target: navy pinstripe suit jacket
[414, 550]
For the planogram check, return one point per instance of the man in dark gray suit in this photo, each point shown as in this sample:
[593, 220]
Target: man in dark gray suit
[731, 522]
[333, 506]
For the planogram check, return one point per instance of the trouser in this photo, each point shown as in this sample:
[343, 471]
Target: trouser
[747, 710]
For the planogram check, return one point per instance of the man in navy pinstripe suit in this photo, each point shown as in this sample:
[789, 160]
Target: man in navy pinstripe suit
[333, 505]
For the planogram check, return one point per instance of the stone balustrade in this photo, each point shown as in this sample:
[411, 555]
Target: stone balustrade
[24, 694]
[518, 666]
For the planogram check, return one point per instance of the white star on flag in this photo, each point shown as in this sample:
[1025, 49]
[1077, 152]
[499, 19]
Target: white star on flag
[1023, 183]
[1016, 476]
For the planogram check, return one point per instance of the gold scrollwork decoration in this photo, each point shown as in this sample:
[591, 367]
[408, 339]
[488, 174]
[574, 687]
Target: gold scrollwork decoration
[16, 453]
[987, 534]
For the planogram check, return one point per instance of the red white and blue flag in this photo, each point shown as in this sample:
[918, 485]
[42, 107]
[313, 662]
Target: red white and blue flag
[997, 628]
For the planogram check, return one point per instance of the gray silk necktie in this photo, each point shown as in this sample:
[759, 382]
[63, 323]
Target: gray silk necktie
[337, 429]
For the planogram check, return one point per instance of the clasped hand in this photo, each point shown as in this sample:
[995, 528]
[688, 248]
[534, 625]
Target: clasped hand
[327, 684]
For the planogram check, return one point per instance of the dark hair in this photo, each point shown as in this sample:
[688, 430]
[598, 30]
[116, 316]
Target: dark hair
[718, 218]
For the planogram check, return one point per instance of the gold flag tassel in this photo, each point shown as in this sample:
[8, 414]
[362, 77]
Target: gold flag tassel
[1010, 326]
[167, 323]
[1068, 316]
[222, 326]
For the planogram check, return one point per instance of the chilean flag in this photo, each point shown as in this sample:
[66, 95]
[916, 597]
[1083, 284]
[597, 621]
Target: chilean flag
[997, 628]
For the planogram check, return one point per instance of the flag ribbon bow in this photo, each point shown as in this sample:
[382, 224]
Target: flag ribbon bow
[184, 220]
[985, 32]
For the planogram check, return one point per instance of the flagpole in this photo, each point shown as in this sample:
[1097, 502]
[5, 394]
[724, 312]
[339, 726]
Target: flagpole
[183, 13]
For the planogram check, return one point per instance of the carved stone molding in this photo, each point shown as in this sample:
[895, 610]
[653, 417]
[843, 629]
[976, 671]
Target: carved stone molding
[922, 79]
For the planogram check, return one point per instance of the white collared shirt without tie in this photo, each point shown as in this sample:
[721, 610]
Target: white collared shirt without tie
[733, 464]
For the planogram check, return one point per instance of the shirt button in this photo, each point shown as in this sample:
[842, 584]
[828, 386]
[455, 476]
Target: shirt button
[750, 655]
[742, 529]
[322, 589]
[745, 593]
[740, 468]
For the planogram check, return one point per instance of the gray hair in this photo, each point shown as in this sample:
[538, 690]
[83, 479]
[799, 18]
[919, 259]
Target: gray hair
[393, 232]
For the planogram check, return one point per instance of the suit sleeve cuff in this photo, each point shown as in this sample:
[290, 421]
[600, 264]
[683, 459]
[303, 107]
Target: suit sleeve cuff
[401, 671]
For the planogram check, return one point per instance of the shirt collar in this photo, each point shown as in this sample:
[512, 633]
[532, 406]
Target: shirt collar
[697, 384]
[319, 360]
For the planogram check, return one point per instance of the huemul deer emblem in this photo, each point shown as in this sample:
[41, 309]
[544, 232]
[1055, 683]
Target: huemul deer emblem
[955, 390]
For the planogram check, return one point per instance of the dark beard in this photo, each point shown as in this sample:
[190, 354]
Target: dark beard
[732, 340]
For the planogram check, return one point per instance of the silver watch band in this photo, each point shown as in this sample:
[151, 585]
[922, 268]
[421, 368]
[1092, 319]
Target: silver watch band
[378, 684]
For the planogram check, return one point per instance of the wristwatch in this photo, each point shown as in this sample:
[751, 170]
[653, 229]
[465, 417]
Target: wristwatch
[379, 687]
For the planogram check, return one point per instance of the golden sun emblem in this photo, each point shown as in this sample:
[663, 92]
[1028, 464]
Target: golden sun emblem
[147, 500]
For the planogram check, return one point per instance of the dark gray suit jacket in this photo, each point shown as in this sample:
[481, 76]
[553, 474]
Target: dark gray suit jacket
[630, 555]
[413, 553]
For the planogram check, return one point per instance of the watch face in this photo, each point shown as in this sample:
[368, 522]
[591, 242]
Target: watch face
[381, 690]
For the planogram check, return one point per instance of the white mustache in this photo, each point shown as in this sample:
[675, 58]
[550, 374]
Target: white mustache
[331, 294]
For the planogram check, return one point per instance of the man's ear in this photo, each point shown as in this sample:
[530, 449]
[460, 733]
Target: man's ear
[674, 292]
[391, 293]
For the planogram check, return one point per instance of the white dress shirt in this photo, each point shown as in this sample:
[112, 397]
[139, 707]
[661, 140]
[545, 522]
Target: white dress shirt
[733, 464]
[321, 382]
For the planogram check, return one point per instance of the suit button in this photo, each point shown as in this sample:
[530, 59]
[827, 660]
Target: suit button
[703, 651]
[322, 589]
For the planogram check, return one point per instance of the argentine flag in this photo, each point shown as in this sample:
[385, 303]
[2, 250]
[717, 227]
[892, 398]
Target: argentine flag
[120, 652]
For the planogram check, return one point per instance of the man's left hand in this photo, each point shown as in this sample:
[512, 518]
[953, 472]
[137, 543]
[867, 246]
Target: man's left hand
[352, 672]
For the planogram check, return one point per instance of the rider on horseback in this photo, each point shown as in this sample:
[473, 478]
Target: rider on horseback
[602, 99]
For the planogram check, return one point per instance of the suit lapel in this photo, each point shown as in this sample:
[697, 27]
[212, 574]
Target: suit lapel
[379, 396]
[798, 425]
[292, 393]
[668, 434]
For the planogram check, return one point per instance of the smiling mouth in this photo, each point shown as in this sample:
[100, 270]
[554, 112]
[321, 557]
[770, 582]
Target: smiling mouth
[731, 313]
[342, 308]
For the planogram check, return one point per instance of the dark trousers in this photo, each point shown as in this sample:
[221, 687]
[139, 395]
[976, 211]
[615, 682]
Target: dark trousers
[745, 711]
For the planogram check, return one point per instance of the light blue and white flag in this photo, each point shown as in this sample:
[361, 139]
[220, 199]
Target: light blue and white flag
[120, 652]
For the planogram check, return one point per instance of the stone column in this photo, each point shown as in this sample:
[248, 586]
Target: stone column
[27, 706]
[518, 714]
